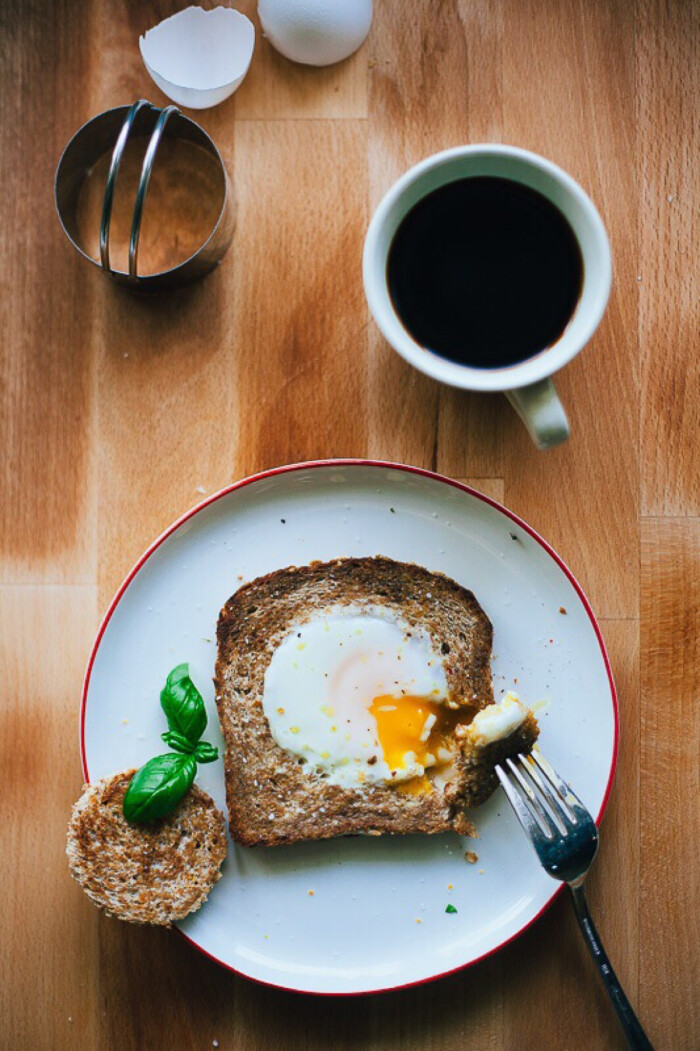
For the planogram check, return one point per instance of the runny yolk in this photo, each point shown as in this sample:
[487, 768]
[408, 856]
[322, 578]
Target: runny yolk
[402, 726]
[415, 786]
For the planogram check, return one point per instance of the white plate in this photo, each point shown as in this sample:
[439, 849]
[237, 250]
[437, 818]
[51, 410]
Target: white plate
[358, 933]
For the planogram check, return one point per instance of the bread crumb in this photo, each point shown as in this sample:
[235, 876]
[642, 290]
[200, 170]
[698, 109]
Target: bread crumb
[418, 920]
[471, 857]
[562, 611]
[311, 893]
[124, 722]
[481, 872]
[449, 886]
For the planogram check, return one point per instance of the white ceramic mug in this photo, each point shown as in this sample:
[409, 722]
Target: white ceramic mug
[527, 384]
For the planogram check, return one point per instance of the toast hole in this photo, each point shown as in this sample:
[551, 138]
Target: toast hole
[445, 648]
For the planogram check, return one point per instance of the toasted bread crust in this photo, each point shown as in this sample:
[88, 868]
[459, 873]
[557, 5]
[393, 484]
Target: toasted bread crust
[153, 873]
[477, 778]
[271, 799]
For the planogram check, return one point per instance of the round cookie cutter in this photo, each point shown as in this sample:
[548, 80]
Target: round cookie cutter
[112, 130]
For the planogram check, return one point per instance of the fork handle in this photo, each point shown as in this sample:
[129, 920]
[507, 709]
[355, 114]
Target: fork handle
[636, 1037]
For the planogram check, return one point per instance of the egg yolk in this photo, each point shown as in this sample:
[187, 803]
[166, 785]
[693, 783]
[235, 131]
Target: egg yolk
[415, 786]
[411, 725]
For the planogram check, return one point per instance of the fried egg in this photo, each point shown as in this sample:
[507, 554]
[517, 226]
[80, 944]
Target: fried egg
[359, 698]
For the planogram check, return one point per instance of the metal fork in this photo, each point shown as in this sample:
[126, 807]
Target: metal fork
[565, 839]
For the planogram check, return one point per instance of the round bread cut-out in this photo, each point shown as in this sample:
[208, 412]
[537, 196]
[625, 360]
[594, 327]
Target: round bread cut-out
[154, 873]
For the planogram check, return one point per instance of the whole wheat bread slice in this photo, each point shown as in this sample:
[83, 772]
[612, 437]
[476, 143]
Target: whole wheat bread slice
[271, 799]
[154, 873]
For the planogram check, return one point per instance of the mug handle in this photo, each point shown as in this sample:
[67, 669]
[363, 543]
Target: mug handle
[539, 408]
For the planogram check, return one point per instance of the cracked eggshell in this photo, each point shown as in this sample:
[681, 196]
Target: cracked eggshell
[198, 58]
[315, 32]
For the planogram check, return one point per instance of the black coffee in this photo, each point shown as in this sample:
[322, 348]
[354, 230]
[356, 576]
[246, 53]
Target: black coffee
[485, 272]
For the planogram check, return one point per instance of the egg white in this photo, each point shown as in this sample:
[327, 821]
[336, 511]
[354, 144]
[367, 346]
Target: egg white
[322, 679]
[498, 720]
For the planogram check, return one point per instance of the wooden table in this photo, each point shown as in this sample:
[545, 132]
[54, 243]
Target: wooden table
[116, 409]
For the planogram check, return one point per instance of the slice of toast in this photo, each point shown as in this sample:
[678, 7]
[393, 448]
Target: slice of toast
[155, 873]
[272, 797]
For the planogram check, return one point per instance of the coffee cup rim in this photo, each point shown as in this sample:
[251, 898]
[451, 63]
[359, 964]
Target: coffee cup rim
[548, 361]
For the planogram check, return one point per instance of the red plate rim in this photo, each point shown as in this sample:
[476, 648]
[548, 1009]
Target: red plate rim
[408, 469]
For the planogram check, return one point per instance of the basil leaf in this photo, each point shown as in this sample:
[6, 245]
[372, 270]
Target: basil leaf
[157, 787]
[183, 705]
[206, 753]
[178, 742]
[450, 908]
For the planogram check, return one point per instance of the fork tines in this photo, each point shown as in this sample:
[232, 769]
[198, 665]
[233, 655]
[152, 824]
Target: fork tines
[543, 802]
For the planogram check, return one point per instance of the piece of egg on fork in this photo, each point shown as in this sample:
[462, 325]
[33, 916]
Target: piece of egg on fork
[315, 32]
[359, 697]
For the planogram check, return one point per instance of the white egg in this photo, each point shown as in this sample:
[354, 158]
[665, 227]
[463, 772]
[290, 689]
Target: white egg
[315, 32]
[323, 679]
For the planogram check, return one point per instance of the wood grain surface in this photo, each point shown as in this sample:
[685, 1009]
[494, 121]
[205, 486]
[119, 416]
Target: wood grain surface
[116, 411]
